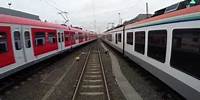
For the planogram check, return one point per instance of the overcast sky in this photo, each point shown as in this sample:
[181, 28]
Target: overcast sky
[84, 12]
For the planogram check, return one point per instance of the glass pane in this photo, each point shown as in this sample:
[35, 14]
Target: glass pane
[109, 37]
[119, 37]
[52, 37]
[140, 42]
[116, 38]
[40, 35]
[76, 36]
[186, 51]
[129, 38]
[17, 37]
[62, 37]
[66, 37]
[40, 41]
[27, 39]
[157, 42]
[40, 38]
[59, 39]
[3, 42]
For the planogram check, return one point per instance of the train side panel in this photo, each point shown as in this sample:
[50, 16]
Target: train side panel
[6, 47]
[159, 64]
[45, 40]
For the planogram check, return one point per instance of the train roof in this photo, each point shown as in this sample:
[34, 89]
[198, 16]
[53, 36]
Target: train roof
[77, 30]
[25, 21]
[191, 13]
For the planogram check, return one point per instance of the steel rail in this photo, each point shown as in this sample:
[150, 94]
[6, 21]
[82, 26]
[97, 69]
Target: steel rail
[104, 76]
[81, 76]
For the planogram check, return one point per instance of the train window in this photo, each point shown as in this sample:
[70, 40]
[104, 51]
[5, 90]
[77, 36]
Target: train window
[119, 37]
[27, 39]
[186, 51]
[116, 38]
[59, 39]
[80, 36]
[3, 42]
[109, 37]
[52, 37]
[17, 38]
[140, 42]
[129, 38]
[86, 37]
[76, 36]
[40, 38]
[62, 34]
[66, 37]
[157, 42]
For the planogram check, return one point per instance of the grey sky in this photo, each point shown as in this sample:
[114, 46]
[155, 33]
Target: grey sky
[84, 12]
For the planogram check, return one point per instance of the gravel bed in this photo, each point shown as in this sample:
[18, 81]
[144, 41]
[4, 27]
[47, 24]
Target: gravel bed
[148, 86]
[35, 87]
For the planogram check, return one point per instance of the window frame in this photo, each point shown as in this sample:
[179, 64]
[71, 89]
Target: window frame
[18, 40]
[149, 49]
[135, 48]
[59, 39]
[43, 38]
[27, 40]
[109, 37]
[4, 41]
[181, 67]
[119, 37]
[52, 37]
[116, 37]
[67, 35]
[62, 36]
[128, 37]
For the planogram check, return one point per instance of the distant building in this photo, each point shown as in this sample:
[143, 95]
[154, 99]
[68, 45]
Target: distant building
[18, 13]
[138, 18]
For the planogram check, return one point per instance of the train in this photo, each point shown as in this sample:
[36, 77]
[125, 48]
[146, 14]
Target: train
[166, 44]
[25, 42]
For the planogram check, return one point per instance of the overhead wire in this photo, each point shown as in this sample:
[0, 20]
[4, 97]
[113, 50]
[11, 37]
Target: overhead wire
[61, 12]
[53, 6]
[113, 11]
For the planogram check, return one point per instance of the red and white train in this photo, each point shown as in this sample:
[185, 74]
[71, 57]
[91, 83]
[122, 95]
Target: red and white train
[24, 42]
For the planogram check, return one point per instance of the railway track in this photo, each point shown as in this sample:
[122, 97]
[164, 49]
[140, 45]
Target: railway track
[92, 84]
[20, 77]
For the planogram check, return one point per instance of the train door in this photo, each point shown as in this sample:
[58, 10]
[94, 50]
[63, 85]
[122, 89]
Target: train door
[63, 40]
[18, 44]
[61, 44]
[27, 43]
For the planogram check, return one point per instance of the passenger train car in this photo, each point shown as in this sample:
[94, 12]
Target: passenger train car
[166, 45]
[24, 42]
